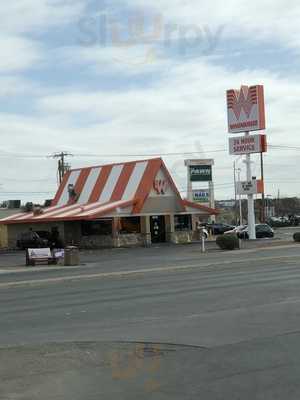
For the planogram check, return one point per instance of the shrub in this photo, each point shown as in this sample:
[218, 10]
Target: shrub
[228, 242]
[296, 237]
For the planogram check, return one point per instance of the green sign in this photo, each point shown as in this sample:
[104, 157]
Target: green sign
[201, 173]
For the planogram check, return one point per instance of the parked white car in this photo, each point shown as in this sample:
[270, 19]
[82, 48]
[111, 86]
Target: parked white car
[236, 230]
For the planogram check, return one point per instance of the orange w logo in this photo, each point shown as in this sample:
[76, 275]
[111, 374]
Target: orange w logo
[243, 99]
[160, 186]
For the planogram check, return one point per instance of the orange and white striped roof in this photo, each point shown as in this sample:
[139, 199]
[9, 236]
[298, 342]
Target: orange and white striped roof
[101, 190]
[108, 183]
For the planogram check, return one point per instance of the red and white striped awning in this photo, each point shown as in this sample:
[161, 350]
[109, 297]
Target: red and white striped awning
[66, 213]
[100, 191]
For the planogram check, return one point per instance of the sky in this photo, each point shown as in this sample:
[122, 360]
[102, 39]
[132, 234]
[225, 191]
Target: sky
[112, 81]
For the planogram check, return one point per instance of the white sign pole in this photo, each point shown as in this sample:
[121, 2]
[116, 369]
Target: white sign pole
[212, 199]
[202, 241]
[189, 185]
[251, 213]
[240, 199]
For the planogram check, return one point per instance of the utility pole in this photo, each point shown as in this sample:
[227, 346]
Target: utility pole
[238, 214]
[235, 192]
[63, 167]
[263, 212]
[240, 198]
[251, 213]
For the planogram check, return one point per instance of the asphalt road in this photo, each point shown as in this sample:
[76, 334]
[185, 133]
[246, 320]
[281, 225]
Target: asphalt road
[165, 324]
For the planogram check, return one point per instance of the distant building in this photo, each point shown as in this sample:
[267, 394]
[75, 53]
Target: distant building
[226, 204]
[6, 212]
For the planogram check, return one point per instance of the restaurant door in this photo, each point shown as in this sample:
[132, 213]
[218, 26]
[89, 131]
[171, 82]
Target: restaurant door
[158, 229]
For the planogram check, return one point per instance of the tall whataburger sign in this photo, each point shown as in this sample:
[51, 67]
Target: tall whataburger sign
[246, 113]
[246, 109]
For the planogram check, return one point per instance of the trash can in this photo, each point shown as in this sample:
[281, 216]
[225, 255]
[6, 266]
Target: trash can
[71, 256]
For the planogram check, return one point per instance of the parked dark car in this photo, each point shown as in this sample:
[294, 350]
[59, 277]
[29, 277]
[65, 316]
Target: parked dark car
[44, 235]
[262, 231]
[219, 229]
[31, 239]
[52, 238]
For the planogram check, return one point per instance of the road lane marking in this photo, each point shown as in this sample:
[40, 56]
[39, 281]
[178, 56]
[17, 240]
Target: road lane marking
[120, 274]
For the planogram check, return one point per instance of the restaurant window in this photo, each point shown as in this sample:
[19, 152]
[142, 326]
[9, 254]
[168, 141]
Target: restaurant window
[130, 225]
[94, 228]
[183, 222]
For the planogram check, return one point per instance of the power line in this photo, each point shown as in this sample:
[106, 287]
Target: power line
[283, 147]
[127, 155]
[27, 180]
[1, 192]
[106, 155]
[151, 154]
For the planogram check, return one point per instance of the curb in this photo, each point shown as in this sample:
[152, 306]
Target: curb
[11, 270]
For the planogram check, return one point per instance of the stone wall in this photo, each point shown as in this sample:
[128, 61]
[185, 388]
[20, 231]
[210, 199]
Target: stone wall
[131, 240]
[96, 242]
[107, 241]
[181, 237]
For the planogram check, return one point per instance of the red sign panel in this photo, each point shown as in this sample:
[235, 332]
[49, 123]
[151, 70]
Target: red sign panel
[247, 144]
[246, 109]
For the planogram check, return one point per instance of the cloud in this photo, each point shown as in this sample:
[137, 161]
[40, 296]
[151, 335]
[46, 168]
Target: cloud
[126, 62]
[255, 21]
[18, 53]
[13, 86]
[27, 16]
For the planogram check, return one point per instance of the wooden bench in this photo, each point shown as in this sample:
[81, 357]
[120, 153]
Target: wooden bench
[40, 256]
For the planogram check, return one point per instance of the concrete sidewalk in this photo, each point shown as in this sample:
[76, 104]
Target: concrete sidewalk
[16, 260]
[124, 260]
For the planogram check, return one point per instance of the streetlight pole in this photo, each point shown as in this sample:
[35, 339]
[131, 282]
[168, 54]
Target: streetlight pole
[268, 205]
[240, 198]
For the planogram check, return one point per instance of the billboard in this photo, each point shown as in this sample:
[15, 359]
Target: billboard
[247, 144]
[250, 187]
[201, 196]
[246, 109]
[201, 173]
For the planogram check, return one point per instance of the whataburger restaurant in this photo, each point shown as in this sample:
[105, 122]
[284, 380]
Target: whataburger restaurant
[126, 204]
